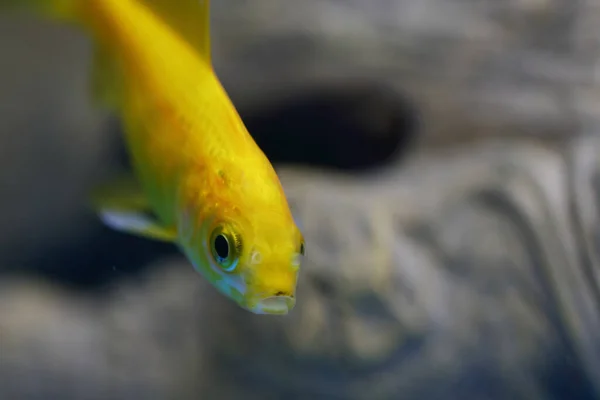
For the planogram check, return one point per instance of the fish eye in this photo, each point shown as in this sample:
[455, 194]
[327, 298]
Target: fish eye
[302, 248]
[226, 248]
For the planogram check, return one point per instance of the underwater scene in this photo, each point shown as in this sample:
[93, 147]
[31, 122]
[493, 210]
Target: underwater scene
[318, 199]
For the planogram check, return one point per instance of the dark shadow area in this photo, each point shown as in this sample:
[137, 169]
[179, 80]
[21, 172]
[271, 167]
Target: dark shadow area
[98, 261]
[352, 127]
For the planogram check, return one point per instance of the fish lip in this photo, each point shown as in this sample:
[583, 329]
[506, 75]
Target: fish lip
[274, 305]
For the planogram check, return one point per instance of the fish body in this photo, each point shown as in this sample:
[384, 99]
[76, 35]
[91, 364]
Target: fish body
[209, 187]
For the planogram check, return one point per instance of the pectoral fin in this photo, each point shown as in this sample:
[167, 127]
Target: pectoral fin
[135, 223]
[122, 206]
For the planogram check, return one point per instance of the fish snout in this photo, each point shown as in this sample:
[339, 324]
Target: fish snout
[271, 289]
[275, 305]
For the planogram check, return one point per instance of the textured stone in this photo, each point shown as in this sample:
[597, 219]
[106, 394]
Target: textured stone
[466, 276]
[502, 67]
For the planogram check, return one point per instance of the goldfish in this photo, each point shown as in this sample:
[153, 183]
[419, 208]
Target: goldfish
[198, 178]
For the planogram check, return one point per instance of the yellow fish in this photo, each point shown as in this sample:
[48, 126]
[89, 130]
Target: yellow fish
[200, 181]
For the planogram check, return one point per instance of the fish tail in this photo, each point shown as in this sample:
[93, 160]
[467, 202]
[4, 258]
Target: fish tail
[58, 9]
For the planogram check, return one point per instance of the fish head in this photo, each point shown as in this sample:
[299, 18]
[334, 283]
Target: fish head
[251, 257]
[271, 263]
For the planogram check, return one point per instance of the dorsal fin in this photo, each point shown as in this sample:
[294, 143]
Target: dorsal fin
[189, 18]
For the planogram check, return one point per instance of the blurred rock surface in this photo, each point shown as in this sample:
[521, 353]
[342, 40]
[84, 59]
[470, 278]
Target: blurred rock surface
[468, 276]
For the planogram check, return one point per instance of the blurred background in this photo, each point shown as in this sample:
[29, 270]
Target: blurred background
[440, 156]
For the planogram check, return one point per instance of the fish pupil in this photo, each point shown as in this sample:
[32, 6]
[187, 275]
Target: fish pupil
[222, 247]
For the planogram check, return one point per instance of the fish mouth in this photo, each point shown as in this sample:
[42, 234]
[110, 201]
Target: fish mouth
[275, 305]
